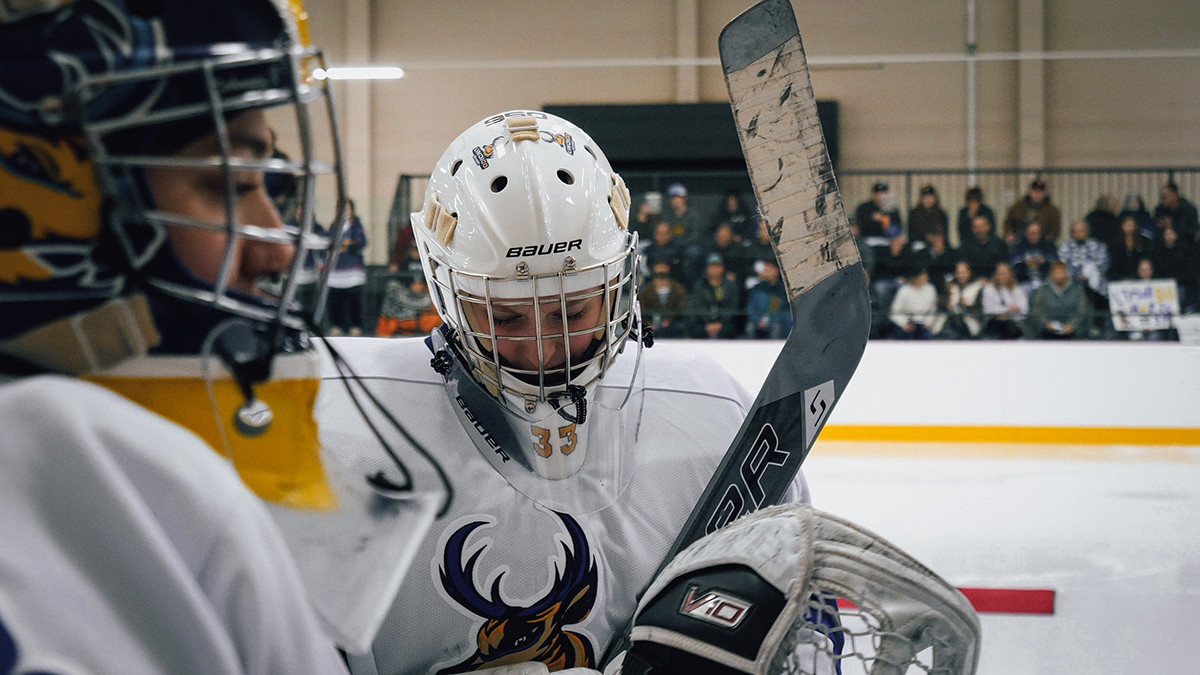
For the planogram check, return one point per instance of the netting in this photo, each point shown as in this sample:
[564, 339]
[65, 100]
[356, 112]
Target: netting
[836, 636]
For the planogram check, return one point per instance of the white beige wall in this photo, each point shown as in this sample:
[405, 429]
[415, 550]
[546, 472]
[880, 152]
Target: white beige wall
[1123, 112]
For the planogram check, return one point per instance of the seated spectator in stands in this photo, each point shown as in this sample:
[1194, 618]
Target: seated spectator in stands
[738, 261]
[768, 314]
[1135, 206]
[1005, 305]
[407, 308]
[1034, 207]
[1176, 258]
[686, 228]
[1102, 220]
[1087, 260]
[892, 269]
[878, 216]
[1030, 257]
[1183, 213]
[1146, 272]
[966, 217]
[964, 307]
[983, 250]
[713, 303]
[1127, 249]
[1059, 310]
[933, 255]
[733, 210]
[914, 312]
[646, 215]
[402, 248]
[662, 247]
[663, 300]
[927, 215]
[760, 247]
[865, 251]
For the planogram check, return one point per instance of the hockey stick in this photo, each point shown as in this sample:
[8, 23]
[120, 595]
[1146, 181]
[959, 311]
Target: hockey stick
[776, 116]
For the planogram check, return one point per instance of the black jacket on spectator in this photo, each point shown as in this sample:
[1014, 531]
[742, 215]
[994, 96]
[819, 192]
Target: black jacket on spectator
[1183, 217]
[983, 257]
[1123, 261]
[922, 220]
[709, 304]
[1103, 226]
[940, 266]
[1178, 262]
[964, 222]
[868, 226]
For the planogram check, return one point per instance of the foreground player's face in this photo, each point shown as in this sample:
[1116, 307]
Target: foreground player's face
[200, 194]
[584, 315]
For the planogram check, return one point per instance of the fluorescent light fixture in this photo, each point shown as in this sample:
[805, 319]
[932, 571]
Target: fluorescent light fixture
[360, 73]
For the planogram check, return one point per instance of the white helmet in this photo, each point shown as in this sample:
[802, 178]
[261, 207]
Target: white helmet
[524, 205]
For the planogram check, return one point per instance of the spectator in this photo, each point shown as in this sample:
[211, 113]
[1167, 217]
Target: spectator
[1129, 247]
[769, 315]
[738, 263]
[1030, 256]
[1146, 272]
[407, 308]
[1005, 305]
[892, 269]
[1175, 258]
[663, 300]
[347, 279]
[647, 215]
[933, 255]
[963, 307]
[1086, 259]
[662, 247]
[760, 248]
[865, 251]
[713, 303]
[1034, 207]
[1059, 310]
[966, 217]
[1102, 220]
[733, 211]
[983, 250]
[1182, 212]
[927, 215]
[878, 217]
[914, 312]
[1135, 206]
[685, 224]
[402, 247]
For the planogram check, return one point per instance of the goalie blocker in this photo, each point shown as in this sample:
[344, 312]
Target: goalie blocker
[761, 596]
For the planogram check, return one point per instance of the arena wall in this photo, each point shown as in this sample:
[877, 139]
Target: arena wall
[1034, 392]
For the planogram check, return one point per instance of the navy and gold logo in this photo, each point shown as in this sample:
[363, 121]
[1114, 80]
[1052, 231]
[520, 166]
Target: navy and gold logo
[532, 630]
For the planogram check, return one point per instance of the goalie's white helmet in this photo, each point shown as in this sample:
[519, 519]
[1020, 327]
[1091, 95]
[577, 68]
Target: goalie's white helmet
[525, 244]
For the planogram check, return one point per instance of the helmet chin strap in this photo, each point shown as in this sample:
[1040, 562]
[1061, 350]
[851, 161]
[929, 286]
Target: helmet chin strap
[247, 355]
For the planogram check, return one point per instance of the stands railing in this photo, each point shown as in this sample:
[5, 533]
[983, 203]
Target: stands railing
[1073, 190]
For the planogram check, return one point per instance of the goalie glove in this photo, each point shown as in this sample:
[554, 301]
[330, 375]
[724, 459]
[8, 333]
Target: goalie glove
[761, 596]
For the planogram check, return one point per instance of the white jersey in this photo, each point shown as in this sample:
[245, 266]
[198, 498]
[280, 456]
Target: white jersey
[502, 577]
[128, 546]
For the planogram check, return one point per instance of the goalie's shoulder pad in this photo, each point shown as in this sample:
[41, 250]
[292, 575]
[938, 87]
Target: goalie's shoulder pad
[730, 599]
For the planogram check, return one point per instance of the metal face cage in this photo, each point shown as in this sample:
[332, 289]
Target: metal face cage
[540, 316]
[233, 79]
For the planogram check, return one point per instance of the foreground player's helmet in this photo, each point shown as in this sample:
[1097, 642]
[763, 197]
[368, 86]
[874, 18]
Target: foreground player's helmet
[93, 93]
[107, 275]
[525, 243]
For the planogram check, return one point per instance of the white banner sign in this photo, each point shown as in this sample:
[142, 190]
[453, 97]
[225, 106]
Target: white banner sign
[1143, 305]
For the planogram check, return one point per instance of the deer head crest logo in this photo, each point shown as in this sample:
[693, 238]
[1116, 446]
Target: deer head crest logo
[534, 633]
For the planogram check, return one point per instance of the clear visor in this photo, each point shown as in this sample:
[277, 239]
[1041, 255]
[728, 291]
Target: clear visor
[253, 235]
[575, 457]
